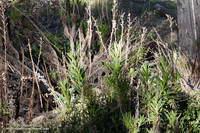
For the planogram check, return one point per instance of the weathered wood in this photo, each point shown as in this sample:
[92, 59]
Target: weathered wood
[189, 32]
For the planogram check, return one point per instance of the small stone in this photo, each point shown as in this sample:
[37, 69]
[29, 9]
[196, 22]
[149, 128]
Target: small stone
[38, 119]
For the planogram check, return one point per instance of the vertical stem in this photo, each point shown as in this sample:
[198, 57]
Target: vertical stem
[137, 111]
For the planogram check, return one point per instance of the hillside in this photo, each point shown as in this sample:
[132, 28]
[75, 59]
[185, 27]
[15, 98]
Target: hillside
[75, 66]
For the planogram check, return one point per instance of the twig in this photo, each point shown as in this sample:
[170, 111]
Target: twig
[34, 74]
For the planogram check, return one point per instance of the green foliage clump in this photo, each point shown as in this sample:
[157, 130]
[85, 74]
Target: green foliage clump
[4, 110]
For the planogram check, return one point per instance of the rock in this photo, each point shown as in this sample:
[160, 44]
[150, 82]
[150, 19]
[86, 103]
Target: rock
[38, 120]
[46, 119]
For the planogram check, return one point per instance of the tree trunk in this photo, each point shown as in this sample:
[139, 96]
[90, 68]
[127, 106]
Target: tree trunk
[189, 33]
